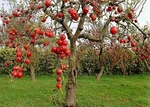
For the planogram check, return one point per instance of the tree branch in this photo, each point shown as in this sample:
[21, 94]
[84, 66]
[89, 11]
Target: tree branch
[103, 31]
[68, 30]
[80, 26]
[62, 22]
[89, 37]
[139, 29]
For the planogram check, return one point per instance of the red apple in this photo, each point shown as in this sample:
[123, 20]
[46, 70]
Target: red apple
[85, 9]
[113, 30]
[58, 86]
[47, 3]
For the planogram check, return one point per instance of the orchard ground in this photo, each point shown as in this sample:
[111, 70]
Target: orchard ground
[110, 91]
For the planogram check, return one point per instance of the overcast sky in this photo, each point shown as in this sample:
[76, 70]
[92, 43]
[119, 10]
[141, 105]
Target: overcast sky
[145, 15]
[143, 19]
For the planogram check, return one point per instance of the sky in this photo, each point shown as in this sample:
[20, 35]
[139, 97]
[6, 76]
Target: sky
[143, 19]
[145, 15]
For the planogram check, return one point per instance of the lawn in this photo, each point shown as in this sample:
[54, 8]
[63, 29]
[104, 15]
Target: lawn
[110, 91]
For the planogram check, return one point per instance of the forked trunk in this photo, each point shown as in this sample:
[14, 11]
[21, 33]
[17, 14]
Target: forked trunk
[100, 73]
[32, 73]
[70, 99]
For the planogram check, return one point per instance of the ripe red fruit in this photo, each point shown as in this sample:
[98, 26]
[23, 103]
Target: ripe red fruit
[44, 19]
[63, 66]
[15, 14]
[73, 13]
[135, 20]
[114, 7]
[58, 79]
[64, 43]
[19, 75]
[119, 9]
[33, 34]
[32, 41]
[121, 40]
[59, 42]
[113, 30]
[109, 9]
[18, 50]
[75, 17]
[58, 50]
[58, 86]
[39, 6]
[15, 68]
[19, 54]
[18, 59]
[47, 3]
[133, 44]
[59, 71]
[142, 58]
[124, 41]
[93, 17]
[62, 56]
[85, 9]
[27, 61]
[60, 14]
[14, 73]
[130, 14]
[63, 48]
[54, 49]
[129, 38]
[49, 33]
[29, 54]
[62, 37]
[10, 16]
[20, 69]
[32, 6]
[67, 52]
[64, 1]
[46, 43]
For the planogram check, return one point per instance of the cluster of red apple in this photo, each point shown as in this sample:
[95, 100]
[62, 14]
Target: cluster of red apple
[128, 14]
[19, 54]
[17, 70]
[114, 30]
[61, 49]
[143, 52]
[73, 13]
[59, 73]
[128, 40]
[63, 52]
[86, 8]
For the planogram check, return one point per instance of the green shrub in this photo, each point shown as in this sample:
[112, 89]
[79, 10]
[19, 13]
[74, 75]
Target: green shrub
[42, 61]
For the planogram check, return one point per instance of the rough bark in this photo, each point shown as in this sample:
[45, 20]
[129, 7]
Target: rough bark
[98, 76]
[147, 65]
[32, 73]
[70, 100]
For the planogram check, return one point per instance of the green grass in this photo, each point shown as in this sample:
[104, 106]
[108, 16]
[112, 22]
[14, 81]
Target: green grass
[110, 91]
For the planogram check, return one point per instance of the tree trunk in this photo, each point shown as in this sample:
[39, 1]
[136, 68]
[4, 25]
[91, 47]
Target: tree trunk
[147, 65]
[32, 73]
[98, 76]
[70, 100]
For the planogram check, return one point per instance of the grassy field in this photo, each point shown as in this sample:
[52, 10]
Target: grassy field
[110, 91]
